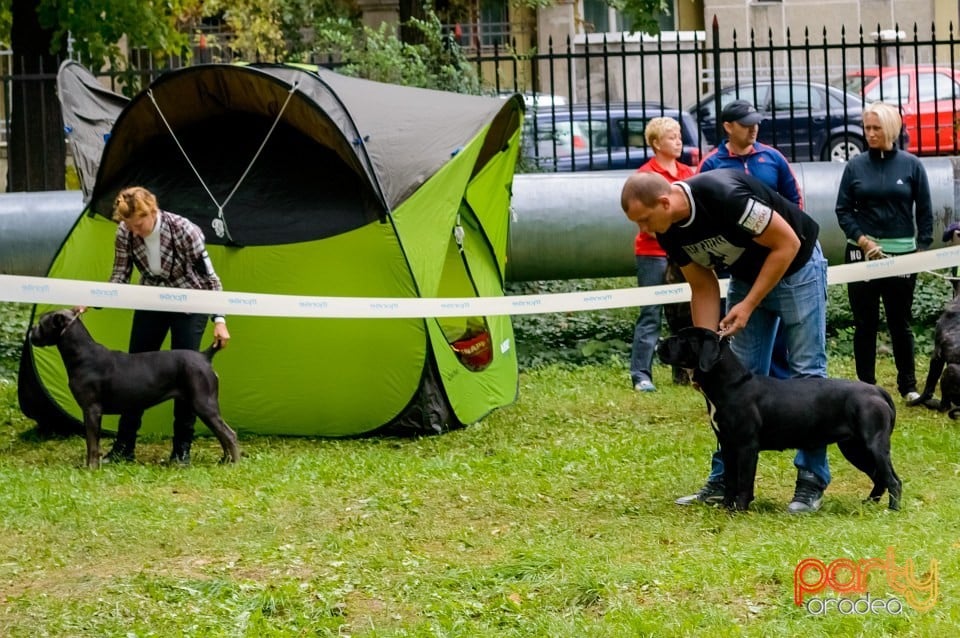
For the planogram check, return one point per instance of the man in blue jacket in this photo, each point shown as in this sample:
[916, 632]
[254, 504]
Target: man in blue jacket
[741, 150]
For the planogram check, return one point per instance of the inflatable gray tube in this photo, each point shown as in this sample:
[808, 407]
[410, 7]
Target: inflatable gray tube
[562, 225]
[568, 226]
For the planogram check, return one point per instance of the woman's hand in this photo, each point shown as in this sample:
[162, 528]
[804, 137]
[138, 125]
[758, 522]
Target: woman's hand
[871, 250]
[220, 334]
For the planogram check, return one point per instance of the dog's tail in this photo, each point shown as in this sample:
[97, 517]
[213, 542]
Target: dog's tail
[893, 406]
[212, 350]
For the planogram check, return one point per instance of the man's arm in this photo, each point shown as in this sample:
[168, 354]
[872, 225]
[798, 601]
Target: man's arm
[705, 295]
[784, 244]
[787, 184]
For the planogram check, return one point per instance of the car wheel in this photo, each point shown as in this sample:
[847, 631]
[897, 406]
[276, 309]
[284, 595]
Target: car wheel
[840, 149]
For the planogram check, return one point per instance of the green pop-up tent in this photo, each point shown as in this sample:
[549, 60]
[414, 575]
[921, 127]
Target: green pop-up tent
[310, 183]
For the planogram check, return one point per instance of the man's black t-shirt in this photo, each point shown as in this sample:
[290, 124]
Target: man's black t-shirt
[728, 209]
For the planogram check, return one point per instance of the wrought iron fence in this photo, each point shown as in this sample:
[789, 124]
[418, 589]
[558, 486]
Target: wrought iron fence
[805, 84]
[810, 88]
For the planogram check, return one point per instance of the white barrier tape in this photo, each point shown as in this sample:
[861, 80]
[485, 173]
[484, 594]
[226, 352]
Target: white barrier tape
[69, 292]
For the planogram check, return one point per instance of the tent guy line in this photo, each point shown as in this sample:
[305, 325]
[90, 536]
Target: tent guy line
[220, 223]
[99, 294]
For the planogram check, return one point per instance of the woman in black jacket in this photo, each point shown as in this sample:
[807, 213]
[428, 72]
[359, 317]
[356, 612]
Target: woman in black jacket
[884, 208]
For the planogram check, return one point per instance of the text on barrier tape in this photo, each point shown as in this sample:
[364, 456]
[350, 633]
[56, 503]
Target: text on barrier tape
[70, 292]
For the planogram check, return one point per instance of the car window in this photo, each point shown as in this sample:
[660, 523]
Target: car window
[854, 84]
[756, 95]
[797, 96]
[837, 102]
[893, 88]
[935, 86]
[561, 134]
[596, 133]
[632, 131]
[706, 110]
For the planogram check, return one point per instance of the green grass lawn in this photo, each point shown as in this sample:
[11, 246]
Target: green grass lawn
[553, 517]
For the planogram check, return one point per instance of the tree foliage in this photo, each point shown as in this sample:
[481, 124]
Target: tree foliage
[98, 28]
[642, 14]
[436, 62]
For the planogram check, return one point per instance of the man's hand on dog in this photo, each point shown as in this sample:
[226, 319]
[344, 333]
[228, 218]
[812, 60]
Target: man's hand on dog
[735, 320]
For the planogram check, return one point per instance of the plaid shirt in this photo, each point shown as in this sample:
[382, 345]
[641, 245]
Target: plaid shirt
[183, 257]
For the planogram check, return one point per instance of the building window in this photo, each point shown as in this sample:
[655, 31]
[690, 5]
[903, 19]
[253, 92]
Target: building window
[599, 17]
[482, 23]
[494, 24]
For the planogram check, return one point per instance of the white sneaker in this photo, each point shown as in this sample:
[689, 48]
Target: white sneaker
[647, 386]
[910, 397]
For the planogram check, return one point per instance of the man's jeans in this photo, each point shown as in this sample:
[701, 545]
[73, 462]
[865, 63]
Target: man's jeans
[646, 332]
[800, 302]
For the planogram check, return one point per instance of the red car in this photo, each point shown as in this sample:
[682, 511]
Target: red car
[929, 98]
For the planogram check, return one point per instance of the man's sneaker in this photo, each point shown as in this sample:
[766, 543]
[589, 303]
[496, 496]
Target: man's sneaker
[912, 398]
[709, 494]
[645, 386]
[808, 495]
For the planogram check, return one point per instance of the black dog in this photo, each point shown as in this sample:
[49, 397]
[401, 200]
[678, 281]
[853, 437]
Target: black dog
[109, 382]
[752, 413]
[946, 352]
[946, 348]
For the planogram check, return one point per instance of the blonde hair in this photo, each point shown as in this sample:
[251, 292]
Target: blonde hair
[135, 201]
[658, 127]
[890, 121]
[645, 188]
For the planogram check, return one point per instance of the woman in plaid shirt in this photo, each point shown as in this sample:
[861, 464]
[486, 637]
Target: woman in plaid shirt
[168, 250]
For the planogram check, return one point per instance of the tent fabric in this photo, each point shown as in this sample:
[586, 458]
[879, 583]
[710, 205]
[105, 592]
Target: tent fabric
[89, 112]
[358, 190]
[387, 147]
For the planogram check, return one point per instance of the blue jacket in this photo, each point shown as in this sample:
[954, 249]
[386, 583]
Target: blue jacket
[764, 162]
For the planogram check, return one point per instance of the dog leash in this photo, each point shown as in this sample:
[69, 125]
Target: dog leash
[876, 253]
[70, 323]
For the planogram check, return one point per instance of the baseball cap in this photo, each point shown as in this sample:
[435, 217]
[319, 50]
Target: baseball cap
[742, 112]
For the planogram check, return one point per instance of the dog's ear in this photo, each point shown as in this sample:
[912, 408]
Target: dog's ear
[709, 352]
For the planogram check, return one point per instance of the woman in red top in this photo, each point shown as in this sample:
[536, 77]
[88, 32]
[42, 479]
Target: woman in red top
[663, 136]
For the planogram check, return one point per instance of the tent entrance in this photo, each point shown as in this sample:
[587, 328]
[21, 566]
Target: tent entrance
[468, 336]
[276, 203]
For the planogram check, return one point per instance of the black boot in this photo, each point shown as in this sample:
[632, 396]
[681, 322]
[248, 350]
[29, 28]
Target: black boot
[121, 452]
[126, 440]
[181, 453]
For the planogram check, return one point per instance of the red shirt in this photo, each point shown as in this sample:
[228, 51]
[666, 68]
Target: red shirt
[646, 245]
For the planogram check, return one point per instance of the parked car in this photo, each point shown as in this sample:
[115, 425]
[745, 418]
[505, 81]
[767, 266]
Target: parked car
[929, 98]
[805, 121]
[599, 137]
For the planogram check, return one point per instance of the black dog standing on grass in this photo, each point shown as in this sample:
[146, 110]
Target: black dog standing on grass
[946, 354]
[109, 382]
[946, 348]
[752, 413]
